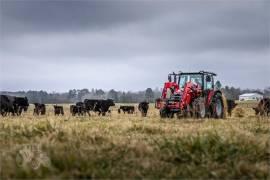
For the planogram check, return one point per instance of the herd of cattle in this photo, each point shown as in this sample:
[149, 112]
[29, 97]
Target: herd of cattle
[16, 105]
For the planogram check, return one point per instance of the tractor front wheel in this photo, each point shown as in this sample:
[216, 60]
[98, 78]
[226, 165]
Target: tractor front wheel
[163, 113]
[199, 109]
[170, 115]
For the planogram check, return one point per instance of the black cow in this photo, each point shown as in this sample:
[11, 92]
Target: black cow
[6, 105]
[126, 109]
[143, 108]
[263, 108]
[20, 104]
[40, 109]
[90, 105]
[73, 110]
[231, 105]
[58, 110]
[79, 109]
[100, 106]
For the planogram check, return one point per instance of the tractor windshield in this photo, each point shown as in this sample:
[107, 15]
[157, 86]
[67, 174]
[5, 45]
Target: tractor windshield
[194, 78]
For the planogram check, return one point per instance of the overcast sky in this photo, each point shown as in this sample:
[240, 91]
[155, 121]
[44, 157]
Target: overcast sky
[131, 45]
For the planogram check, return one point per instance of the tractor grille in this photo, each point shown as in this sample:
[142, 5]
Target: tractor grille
[175, 98]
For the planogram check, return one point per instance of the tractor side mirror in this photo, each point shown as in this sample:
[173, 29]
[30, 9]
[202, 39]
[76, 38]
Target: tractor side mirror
[208, 78]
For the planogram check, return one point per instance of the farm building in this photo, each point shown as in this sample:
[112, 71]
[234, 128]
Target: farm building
[250, 96]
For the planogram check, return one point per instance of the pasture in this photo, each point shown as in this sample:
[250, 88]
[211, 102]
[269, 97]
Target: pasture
[130, 146]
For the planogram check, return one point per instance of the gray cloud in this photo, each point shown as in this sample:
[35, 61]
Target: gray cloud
[74, 16]
[132, 45]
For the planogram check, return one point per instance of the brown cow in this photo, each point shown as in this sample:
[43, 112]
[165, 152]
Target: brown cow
[263, 108]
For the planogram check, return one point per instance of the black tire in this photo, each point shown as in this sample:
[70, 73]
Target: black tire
[183, 114]
[170, 115]
[179, 115]
[163, 113]
[218, 107]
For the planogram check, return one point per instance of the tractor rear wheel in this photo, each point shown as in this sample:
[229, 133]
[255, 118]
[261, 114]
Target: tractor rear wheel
[218, 107]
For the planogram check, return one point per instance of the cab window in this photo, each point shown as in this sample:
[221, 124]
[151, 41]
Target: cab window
[208, 83]
[194, 78]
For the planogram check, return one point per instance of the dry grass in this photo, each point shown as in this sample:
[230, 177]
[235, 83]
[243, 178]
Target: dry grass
[239, 112]
[125, 146]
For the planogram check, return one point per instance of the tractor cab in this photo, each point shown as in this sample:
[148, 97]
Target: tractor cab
[204, 80]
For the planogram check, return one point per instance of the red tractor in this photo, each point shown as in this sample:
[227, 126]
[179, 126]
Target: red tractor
[191, 94]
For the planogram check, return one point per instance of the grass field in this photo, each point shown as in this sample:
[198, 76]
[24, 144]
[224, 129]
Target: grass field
[129, 146]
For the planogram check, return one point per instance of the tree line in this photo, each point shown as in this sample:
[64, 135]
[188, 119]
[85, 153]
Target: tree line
[76, 95]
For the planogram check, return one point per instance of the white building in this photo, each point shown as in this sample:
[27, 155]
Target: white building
[250, 96]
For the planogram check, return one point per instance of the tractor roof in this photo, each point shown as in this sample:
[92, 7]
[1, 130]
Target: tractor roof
[189, 73]
[200, 72]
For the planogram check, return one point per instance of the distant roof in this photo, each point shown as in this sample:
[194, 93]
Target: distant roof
[251, 94]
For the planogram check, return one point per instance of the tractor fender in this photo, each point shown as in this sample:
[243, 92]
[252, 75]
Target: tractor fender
[215, 93]
[218, 92]
[210, 99]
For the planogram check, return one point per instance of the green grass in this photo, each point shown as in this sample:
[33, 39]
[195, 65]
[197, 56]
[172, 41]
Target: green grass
[129, 146]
